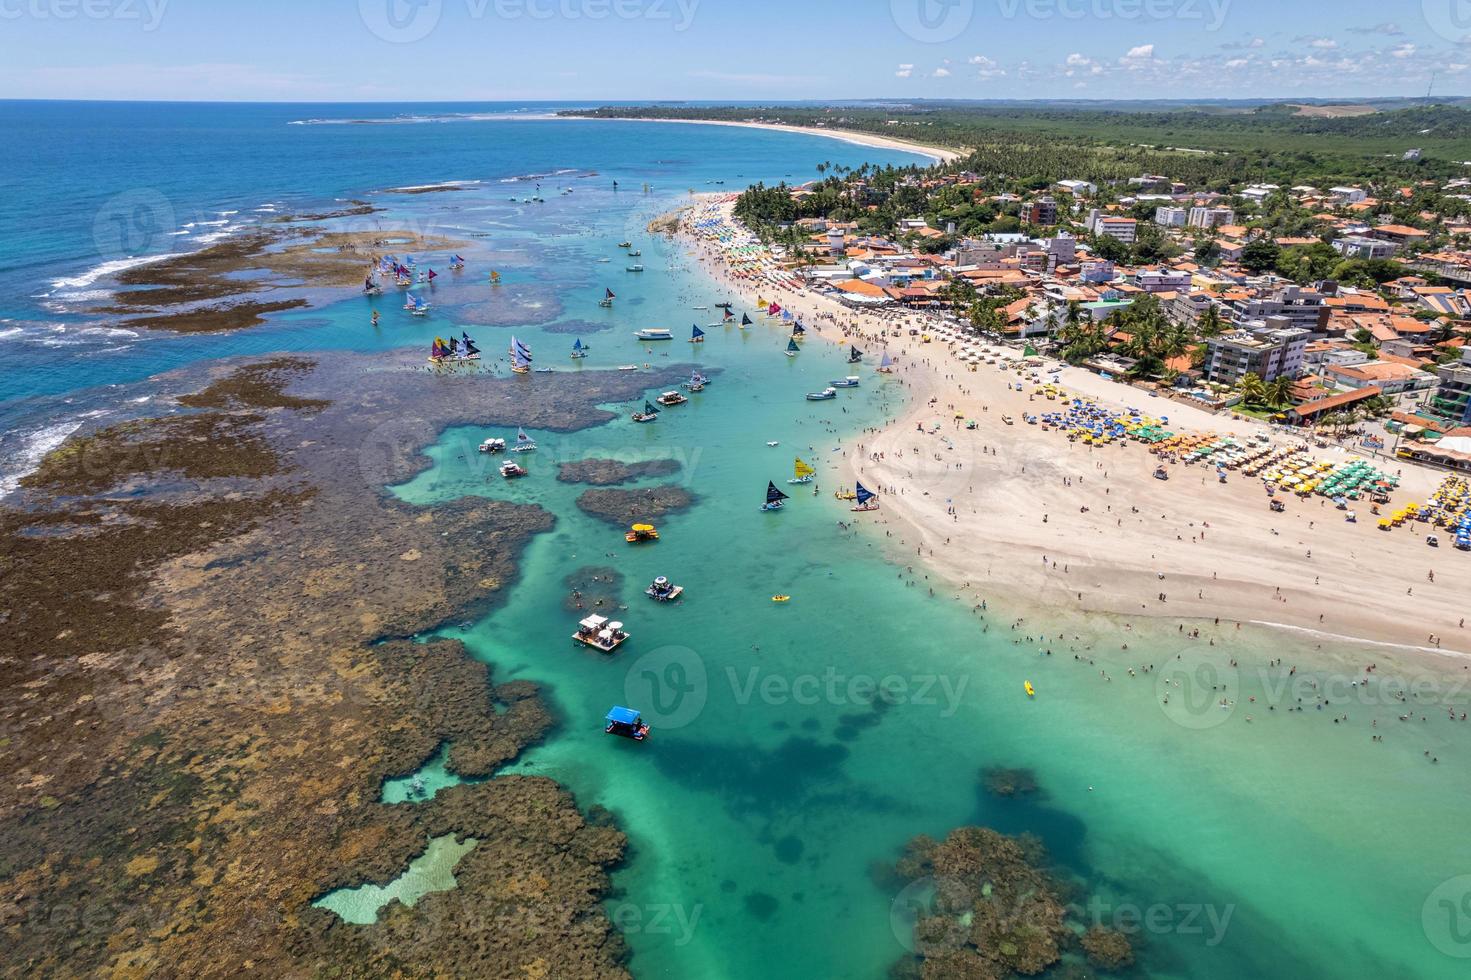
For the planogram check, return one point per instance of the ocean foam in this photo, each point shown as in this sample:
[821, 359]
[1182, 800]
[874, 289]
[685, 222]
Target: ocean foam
[34, 447]
[111, 268]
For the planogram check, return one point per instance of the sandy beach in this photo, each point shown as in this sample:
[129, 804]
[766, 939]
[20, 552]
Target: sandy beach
[937, 153]
[1012, 511]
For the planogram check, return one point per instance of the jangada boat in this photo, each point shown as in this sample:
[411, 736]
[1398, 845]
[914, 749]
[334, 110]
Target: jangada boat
[598, 633]
[671, 398]
[792, 349]
[774, 498]
[607, 300]
[803, 472]
[855, 355]
[825, 395]
[649, 414]
[698, 336]
[697, 382]
[512, 470]
[635, 268]
[663, 590]
[524, 443]
[867, 500]
[578, 350]
[625, 244]
[520, 357]
[627, 723]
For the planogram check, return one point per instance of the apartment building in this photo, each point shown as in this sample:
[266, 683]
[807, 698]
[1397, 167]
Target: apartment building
[1267, 348]
[1170, 217]
[1202, 217]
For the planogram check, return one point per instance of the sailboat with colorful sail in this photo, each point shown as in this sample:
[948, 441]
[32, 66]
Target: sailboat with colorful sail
[470, 352]
[773, 309]
[456, 263]
[649, 414]
[803, 472]
[792, 349]
[696, 382]
[745, 321]
[761, 303]
[524, 443]
[698, 335]
[578, 350]
[886, 366]
[495, 278]
[607, 301]
[774, 498]
[867, 500]
[438, 351]
[416, 307]
[798, 331]
[520, 357]
[854, 355]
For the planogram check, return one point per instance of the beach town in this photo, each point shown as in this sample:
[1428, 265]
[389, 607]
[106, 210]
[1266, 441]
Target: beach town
[1016, 473]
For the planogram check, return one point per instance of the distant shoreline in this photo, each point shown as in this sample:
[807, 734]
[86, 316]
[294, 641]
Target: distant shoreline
[937, 153]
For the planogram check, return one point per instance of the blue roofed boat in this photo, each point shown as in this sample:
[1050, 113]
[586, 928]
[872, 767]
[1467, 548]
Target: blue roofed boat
[626, 722]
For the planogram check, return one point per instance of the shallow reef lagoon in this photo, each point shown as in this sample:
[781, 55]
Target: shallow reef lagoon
[775, 790]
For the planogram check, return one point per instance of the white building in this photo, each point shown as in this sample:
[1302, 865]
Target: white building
[1211, 217]
[1077, 188]
[1260, 192]
[1267, 348]
[1163, 281]
[1171, 217]
[1348, 195]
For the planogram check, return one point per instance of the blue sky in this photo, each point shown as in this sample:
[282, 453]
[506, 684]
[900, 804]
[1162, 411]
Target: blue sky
[375, 50]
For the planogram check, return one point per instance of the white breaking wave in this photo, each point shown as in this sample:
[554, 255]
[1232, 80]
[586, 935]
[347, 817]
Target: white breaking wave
[33, 448]
[111, 268]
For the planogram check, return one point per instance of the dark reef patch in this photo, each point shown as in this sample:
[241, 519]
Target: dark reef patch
[610, 472]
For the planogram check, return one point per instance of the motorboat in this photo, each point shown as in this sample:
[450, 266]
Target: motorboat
[493, 446]
[653, 333]
[670, 398]
[627, 723]
[663, 590]
[826, 395]
[512, 470]
[849, 382]
[600, 634]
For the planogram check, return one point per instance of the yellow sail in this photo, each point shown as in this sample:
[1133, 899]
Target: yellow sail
[804, 470]
[495, 276]
[761, 304]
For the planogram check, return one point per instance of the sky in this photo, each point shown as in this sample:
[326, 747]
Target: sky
[620, 50]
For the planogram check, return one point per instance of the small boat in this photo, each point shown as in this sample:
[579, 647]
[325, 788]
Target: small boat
[1008, 420]
[598, 633]
[512, 470]
[792, 349]
[851, 381]
[745, 321]
[825, 395]
[628, 367]
[649, 414]
[1031, 691]
[640, 533]
[773, 444]
[493, 446]
[886, 364]
[662, 590]
[495, 278]
[520, 357]
[524, 443]
[653, 333]
[700, 309]
[867, 500]
[635, 254]
[724, 306]
[457, 264]
[635, 268]
[803, 472]
[468, 350]
[845, 494]
[798, 331]
[781, 598]
[697, 382]
[854, 355]
[671, 398]
[416, 307]
[1432, 540]
[608, 297]
[774, 498]
[698, 336]
[578, 350]
[625, 244]
[627, 723]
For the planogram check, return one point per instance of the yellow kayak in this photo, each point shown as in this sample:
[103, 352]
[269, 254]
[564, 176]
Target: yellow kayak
[781, 598]
[1031, 691]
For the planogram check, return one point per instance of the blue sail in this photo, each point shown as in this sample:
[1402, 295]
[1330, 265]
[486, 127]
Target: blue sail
[698, 334]
[773, 495]
[864, 494]
[792, 346]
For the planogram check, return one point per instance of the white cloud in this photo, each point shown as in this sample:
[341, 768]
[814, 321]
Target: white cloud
[904, 71]
[1325, 43]
[981, 61]
[942, 73]
[1076, 60]
[1142, 52]
[1258, 42]
[1238, 63]
[1404, 50]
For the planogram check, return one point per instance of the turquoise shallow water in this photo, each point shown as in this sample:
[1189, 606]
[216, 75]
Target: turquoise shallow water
[773, 786]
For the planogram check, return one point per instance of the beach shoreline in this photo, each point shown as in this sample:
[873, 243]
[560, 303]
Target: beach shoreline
[1089, 532]
[938, 154]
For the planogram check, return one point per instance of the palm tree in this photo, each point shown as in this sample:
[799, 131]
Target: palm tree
[1209, 324]
[1253, 389]
[1279, 392]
